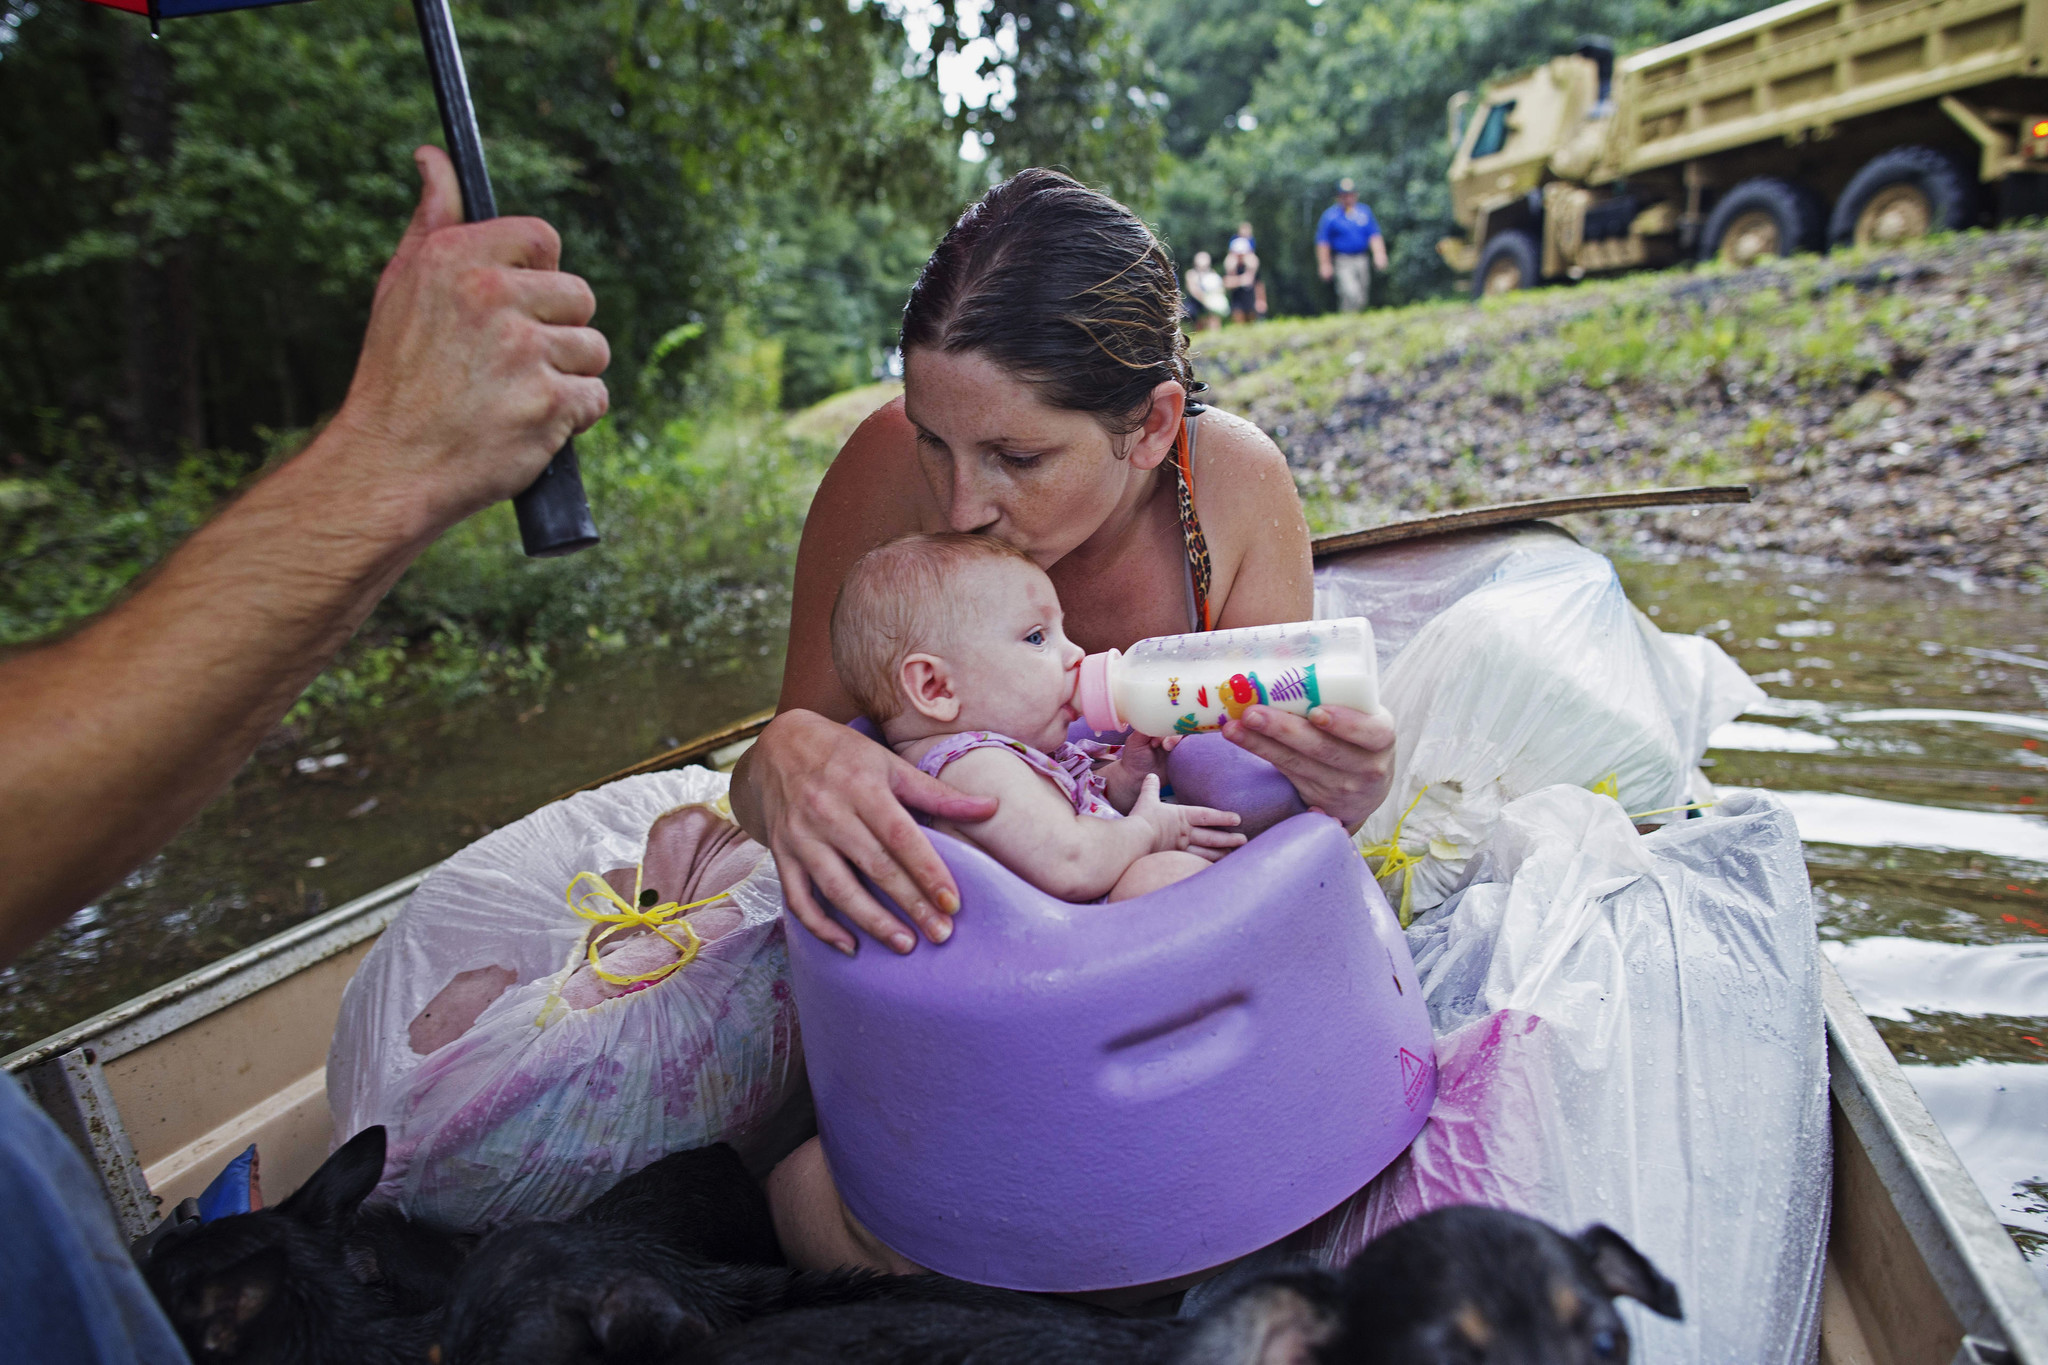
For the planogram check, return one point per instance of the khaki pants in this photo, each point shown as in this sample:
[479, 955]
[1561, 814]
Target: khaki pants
[1354, 282]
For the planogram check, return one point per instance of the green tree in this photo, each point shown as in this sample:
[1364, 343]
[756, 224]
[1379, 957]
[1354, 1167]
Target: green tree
[1358, 87]
[651, 134]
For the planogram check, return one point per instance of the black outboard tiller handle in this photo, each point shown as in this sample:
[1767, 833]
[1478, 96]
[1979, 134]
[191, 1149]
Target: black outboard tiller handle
[554, 514]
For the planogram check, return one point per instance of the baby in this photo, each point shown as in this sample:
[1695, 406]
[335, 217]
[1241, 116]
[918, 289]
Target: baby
[952, 645]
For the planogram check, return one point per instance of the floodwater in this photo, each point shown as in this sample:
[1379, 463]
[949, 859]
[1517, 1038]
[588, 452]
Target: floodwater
[1907, 729]
[305, 828]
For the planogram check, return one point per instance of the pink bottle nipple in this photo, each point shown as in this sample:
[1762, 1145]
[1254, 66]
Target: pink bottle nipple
[1097, 702]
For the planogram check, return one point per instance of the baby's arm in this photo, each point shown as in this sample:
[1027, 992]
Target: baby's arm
[1037, 834]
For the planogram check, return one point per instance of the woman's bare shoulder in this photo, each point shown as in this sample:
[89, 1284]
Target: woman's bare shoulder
[873, 492]
[874, 488]
[1233, 453]
[1253, 520]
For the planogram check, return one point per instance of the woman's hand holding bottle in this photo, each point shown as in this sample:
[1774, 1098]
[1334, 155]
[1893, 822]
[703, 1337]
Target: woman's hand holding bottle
[1341, 760]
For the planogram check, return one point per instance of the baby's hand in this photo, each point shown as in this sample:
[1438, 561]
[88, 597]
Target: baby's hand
[1140, 758]
[1204, 832]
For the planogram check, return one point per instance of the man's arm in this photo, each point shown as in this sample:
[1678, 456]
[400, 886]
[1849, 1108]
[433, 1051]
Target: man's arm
[1324, 266]
[1379, 252]
[476, 367]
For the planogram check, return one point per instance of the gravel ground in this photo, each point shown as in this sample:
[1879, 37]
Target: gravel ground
[1887, 410]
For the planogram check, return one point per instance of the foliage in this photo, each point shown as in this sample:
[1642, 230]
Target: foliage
[697, 156]
[1274, 101]
[71, 540]
[1083, 97]
[1740, 336]
[701, 520]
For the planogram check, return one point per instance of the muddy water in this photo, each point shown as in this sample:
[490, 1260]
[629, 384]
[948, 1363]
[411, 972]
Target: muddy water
[1908, 730]
[307, 827]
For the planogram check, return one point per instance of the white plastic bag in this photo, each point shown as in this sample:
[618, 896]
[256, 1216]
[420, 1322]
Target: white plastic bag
[538, 1107]
[1543, 673]
[1630, 1032]
[1402, 587]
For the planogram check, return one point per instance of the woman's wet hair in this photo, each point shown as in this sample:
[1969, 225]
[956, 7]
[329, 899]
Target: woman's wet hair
[1063, 287]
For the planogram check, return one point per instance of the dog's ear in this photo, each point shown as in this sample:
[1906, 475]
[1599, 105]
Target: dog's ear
[213, 1312]
[1621, 1269]
[332, 1194]
[1274, 1322]
[638, 1319]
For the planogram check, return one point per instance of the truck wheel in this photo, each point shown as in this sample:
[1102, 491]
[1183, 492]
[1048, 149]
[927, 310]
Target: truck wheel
[1508, 263]
[1901, 196]
[1762, 217]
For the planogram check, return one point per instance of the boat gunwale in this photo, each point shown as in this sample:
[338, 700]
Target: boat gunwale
[1959, 1237]
[189, 998]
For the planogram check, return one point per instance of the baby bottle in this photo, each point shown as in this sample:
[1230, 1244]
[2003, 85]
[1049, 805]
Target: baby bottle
[1185, 684]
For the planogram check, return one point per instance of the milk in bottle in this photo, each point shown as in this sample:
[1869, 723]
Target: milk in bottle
[1184, 684]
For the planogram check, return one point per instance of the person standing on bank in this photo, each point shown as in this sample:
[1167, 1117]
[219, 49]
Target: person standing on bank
[1347, 231]
[1241, 276]
[1207, 300]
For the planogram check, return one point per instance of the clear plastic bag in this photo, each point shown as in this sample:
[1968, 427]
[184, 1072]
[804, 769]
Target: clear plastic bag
[1525, 665]
[1630, 1032]
[538, 1105]
[1401, 588]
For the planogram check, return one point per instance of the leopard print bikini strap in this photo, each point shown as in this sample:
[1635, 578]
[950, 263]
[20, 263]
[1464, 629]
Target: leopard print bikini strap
[1190, 525]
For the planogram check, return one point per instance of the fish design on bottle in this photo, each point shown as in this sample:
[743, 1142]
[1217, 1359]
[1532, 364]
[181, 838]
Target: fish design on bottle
[1297, 684]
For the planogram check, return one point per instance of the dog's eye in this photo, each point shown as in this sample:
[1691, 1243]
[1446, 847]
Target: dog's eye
[1604, 1344]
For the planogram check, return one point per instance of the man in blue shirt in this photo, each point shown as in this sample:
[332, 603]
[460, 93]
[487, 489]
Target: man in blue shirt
[1347, 231]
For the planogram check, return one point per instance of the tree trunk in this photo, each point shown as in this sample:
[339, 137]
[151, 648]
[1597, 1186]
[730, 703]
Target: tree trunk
[161, 411]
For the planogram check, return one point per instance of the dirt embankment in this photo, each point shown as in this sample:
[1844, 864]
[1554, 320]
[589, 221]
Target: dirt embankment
[1888, 409]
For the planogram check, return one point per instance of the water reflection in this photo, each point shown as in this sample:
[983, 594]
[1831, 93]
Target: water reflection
[303, 829]
[1769, 739]
[1906, 730]
[1866, 822]
[1895, 977]
[1995, 1114]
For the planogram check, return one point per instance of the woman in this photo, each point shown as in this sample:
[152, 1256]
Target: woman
[1207, 301]
[1046, 403]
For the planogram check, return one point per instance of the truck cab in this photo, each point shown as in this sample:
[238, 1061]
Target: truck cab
[1507, 145]
[1808, 124]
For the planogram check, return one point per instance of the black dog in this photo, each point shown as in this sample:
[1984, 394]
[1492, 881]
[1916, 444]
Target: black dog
[592, 1294]
[317, 1279]
[1461, 1286]
[673, 1254]
[701, 1204]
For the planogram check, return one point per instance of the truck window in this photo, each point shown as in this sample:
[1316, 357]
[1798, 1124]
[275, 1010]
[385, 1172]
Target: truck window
[1493, 133]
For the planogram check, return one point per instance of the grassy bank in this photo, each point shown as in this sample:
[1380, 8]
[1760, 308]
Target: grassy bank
[1889, 409]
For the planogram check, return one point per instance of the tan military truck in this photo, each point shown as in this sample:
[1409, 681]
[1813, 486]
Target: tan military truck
[1808, 124]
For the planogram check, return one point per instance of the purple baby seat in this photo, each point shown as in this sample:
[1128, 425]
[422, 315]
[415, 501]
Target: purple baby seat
[1073, 1097]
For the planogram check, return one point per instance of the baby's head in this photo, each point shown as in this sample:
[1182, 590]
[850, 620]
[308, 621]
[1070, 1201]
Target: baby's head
[935, 634]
